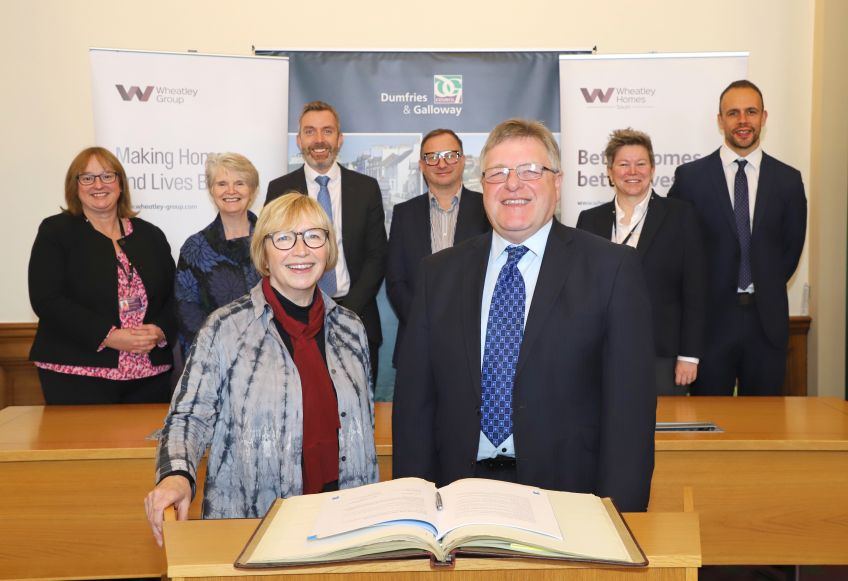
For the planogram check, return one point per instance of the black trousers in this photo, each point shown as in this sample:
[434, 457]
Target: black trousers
[67, 389]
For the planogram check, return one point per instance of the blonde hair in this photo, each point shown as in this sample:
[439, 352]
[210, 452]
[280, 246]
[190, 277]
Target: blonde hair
[236, 163]
[285, 213]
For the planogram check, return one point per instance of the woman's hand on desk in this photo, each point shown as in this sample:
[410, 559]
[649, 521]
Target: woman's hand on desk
[171, 491]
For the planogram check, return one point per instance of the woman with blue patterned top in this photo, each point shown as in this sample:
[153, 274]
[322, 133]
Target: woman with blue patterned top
[214, 267]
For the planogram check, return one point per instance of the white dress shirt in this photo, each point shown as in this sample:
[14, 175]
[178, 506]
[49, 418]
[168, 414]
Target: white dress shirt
[529, 267]
[752, 172]
[335, 187]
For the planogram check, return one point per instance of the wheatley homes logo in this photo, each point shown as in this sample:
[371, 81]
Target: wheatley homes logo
[447, 89]
[160, 94]
[620, 97]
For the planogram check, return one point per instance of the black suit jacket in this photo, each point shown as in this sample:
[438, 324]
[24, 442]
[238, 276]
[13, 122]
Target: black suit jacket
[364, 232]
[73, 288]
[583, 400]
[410, 241]
[672, 254]
[777, 238]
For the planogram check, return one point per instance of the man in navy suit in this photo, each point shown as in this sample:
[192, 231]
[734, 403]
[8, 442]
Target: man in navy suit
[528, 354]
[356, 212]
[446, 215]
[753, 215]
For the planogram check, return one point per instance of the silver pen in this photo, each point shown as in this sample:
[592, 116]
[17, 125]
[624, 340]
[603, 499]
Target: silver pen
[439, 504]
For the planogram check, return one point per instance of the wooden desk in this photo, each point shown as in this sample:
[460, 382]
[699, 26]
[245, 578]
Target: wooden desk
[773, 488]
[207, 549]
[72, 482]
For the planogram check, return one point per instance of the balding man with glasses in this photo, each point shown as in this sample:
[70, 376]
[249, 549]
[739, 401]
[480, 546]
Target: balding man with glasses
[446, 215]
[528, 354]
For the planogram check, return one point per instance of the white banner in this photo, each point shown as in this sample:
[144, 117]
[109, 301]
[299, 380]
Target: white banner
[671, 97]
[162, 113]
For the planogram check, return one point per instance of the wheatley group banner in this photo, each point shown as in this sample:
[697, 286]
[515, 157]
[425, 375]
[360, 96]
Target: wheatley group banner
[162, 113]
[671, 97]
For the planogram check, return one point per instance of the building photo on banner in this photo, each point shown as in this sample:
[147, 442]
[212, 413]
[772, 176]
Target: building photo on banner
[392, 99]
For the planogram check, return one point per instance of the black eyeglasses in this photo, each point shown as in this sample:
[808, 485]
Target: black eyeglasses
[526, 172]
[313, 238]
[450, 156]
[107, 177]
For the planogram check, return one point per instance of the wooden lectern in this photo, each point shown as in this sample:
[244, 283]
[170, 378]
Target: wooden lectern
[205, 550]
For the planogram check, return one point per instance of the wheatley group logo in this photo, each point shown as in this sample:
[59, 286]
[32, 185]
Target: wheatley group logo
[172, 95]
[447, 89]
[619, 97]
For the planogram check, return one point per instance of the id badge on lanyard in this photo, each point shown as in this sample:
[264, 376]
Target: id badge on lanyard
[130, 304]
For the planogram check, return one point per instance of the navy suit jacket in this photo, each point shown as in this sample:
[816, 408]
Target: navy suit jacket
[777, 238]
[584, 399]
[364, 232]
[409, 242]
[672, 254]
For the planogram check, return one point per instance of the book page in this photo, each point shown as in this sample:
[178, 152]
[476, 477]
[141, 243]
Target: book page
[587, 533]
[403, 501]
[477, 501]
[285, 539]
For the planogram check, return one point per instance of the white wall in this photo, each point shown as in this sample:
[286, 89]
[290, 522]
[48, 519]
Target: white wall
[46, 99]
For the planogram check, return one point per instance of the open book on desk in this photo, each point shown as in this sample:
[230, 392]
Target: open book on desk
[410, 517]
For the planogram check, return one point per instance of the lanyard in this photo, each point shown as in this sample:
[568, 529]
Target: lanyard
[635, 226]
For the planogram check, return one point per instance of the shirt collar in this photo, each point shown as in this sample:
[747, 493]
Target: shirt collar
[638, 211]
[535, 244]
[729, 157]
[334, 173]
[454, 201]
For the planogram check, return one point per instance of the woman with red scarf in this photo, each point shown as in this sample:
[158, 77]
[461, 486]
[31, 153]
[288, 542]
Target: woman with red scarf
[276, 384]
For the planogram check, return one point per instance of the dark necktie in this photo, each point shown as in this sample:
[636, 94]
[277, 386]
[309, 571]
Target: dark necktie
[504, 333]
[743, 224]
[327, 283]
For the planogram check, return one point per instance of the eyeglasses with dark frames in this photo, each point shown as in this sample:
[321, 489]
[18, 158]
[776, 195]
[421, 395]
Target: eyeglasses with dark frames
[87, 179]
[285, 240]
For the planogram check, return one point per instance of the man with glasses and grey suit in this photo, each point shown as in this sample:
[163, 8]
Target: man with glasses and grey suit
[446, 215]
[528, 354]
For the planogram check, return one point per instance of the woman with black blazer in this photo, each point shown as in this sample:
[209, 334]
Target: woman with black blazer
[101, 283]
[667, 237]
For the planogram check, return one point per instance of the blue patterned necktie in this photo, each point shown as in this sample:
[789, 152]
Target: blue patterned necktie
[743, 224]
[327, 283]
[504, 333]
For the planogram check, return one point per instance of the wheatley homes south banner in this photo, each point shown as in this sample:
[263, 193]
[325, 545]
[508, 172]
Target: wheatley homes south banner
[388, 101]
[162, 113]
[671, 97]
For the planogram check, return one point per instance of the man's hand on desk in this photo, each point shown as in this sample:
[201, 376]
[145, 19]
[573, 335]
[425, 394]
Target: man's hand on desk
[171, 491]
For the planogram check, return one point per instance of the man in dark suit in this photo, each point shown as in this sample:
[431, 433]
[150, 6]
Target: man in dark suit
[528, 355]
[446, 215]
[355, 205]
[666, 235]
[753, 215]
